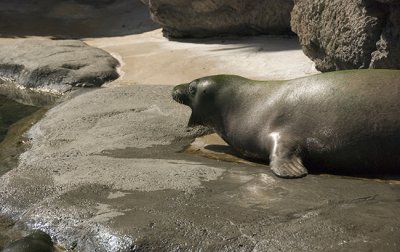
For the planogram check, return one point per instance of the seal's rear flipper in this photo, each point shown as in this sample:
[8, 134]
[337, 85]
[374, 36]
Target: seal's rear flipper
[288, 168]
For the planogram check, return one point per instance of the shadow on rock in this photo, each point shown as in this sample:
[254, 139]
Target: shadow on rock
[74, 19]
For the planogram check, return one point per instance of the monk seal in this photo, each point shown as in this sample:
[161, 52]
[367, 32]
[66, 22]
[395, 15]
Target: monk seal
[340, 122]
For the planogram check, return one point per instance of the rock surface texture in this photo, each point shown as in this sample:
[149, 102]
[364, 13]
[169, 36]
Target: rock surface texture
[353, 34]
[180, 18]
[56, 65]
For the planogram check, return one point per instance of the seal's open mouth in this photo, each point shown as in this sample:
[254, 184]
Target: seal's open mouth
[180, 94]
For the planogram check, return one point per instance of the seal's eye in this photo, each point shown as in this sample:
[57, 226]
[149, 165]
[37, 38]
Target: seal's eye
[192, 90]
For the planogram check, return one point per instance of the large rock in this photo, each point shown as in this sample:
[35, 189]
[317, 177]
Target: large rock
[56, 65]
[351, 34]
[202, 18]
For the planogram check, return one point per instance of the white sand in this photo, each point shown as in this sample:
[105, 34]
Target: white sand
[149, 58]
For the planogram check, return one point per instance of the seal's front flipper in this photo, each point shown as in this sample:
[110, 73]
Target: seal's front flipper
[288, 167]
[285, 162]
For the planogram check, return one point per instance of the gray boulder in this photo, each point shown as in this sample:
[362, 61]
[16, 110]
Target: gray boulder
[55, 65]
[37, 241]
[203, 18]
[352, 34]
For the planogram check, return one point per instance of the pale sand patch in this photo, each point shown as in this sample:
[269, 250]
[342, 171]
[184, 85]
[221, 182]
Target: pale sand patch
[149, 58]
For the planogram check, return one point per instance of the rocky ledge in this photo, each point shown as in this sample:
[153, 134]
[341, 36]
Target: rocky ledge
[55, 65]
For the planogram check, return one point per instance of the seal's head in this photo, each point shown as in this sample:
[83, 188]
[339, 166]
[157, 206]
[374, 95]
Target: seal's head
[201, 95]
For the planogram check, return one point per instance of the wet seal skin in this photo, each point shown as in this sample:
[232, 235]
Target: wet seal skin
[37, 241]
[345, 122]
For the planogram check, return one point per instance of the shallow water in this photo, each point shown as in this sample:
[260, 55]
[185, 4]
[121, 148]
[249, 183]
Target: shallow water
[11, 112]
[15, 119]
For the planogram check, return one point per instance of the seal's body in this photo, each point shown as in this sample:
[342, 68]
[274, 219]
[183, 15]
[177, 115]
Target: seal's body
[347, 121]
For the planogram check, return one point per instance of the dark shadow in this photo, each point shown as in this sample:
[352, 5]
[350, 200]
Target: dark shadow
[267, 43]
[388, 175]
[361, 175]
[69, 19]
[222, 149]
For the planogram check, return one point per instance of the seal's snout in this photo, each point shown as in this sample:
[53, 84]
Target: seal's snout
[176, 94]
[179, 94]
